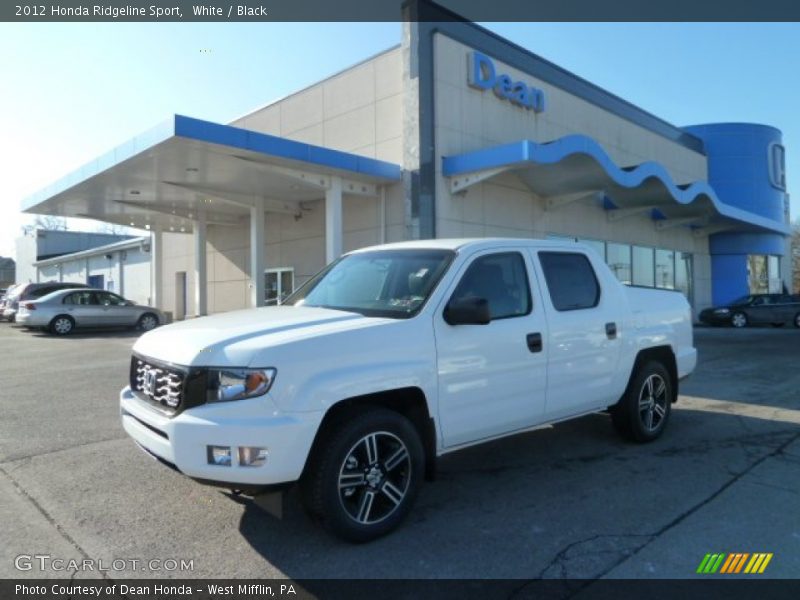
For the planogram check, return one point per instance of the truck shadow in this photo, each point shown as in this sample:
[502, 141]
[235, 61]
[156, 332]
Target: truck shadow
[565, 501]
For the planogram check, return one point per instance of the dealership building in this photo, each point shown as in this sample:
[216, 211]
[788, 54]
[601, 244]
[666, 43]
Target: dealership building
[455, 132]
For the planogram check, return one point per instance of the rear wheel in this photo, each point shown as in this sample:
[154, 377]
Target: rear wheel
[363, 481]
[797, 320]
[643, 411]
[62, 325]
[147, 322]
[739, 320]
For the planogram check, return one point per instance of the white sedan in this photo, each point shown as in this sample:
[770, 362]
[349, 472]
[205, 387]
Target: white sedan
[62, 311]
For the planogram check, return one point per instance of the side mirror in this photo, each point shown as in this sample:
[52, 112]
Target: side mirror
[468, 311]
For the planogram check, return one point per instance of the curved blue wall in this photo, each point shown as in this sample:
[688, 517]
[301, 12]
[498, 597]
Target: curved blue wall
[739, 171]
[739, 168]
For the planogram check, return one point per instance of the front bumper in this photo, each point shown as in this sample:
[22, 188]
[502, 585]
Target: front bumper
[182, 440]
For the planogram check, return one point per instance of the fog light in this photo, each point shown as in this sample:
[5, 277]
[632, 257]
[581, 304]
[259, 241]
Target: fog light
[219, 455]
[252, 456]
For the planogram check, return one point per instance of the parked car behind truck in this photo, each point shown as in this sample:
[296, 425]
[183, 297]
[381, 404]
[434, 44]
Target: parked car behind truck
[755, 309]
[62, 311]
[31, 291]
[395, 355]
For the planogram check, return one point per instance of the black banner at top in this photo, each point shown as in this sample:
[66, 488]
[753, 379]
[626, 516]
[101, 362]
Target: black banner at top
[397, 10]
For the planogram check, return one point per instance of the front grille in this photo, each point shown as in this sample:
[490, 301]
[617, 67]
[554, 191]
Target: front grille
[158, 383]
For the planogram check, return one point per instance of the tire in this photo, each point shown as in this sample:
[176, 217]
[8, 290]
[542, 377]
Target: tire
[62, 325]
[643, 412]
[797, 320]
[362, 480]
[147, 322]
[739, 320]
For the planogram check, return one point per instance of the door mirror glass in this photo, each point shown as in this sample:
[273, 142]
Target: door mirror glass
[467, 311]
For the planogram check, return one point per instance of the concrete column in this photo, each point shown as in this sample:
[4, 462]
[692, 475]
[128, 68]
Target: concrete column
[121, 272]
[200, 272]
[257, 262]
[156, 267]
[333, 220]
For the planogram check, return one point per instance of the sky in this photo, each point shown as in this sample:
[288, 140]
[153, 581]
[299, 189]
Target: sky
[71, 92]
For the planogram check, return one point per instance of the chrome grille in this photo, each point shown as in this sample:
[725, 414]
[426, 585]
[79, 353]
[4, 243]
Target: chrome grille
[160, 384]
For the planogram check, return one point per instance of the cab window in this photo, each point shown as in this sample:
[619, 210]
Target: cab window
[571, 280]
[502, 280]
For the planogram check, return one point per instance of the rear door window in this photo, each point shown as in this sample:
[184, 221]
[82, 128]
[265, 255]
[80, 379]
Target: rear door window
[81, 298]
[571, 280]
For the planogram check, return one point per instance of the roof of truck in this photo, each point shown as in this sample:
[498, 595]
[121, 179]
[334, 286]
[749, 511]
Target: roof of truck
[469, 243]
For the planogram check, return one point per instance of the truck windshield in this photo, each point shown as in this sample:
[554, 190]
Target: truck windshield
[386, 283]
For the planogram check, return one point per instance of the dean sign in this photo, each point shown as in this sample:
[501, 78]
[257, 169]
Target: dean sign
[482, 75]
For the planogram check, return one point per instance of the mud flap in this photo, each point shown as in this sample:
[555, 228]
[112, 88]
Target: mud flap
[271, 502]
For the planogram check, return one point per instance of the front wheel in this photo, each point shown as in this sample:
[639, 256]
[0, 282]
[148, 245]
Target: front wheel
[363, 481]
[643, 411]
[147, 322]
[797, 320]
[739, 320]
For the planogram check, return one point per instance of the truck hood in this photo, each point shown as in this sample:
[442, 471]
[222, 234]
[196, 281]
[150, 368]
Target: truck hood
[229, 339]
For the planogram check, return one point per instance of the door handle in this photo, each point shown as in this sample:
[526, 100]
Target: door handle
[534, 342]
[611, 330]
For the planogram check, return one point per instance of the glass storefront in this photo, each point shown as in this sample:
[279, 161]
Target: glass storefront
[618, 257]
[665, 269]
[764, 274]
[643, 265]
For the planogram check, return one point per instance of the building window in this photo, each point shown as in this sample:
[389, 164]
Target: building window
[774, 274]
[278, 284]
[683, 274]
[618, 257]
[643, 267]
[665, 269]
[757, 274]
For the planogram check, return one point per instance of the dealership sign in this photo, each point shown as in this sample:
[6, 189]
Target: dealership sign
[482, 75]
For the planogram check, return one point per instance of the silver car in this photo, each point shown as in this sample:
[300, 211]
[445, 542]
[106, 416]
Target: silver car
[62, 311]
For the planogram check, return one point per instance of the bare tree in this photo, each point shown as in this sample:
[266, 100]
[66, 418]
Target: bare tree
[796, 256]
[112, 228]
[51, 222]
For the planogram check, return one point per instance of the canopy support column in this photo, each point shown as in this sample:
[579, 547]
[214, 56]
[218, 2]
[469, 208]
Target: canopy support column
[200, 271]
[257, 263]
[333, 220]
[156, 267]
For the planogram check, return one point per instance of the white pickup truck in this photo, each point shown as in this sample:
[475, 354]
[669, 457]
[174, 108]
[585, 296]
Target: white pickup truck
[395, 355]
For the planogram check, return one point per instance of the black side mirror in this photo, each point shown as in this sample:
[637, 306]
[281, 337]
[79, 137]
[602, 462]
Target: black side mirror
[468, 311]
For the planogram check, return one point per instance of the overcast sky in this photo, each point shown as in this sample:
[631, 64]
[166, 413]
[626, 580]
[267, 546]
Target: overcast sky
[71, 92]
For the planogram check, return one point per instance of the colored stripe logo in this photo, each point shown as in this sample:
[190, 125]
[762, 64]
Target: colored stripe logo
[736, 562]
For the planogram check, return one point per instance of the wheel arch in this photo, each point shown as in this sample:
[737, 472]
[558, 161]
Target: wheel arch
[408, 401]
[664, 355]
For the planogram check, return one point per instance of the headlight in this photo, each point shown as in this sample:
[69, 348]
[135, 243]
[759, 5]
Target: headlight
[722, 311]
[236, 384]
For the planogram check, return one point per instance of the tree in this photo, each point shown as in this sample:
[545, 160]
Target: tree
[51, 222]
[796, 256]
[113, 228]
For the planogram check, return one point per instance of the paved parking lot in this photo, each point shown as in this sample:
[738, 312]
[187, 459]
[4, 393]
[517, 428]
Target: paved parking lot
[569, 501]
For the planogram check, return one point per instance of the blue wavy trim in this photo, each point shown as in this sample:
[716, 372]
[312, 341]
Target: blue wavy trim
[517, 154]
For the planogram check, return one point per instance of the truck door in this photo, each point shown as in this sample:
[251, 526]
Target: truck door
[583, 334]
[492, 377]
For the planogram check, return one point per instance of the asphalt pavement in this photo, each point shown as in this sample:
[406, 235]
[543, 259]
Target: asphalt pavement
[569, 501]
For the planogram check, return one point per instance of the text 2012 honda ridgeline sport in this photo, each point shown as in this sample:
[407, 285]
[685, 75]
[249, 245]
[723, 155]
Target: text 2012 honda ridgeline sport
[394, 355]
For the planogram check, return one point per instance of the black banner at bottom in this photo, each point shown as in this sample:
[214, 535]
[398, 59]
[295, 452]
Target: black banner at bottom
[411, 589]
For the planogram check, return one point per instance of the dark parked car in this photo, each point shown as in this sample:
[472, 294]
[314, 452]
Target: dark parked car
[756, 309]
[32, 291]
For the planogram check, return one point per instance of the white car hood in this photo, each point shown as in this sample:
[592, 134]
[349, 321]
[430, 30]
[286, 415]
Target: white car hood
[228, 339]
